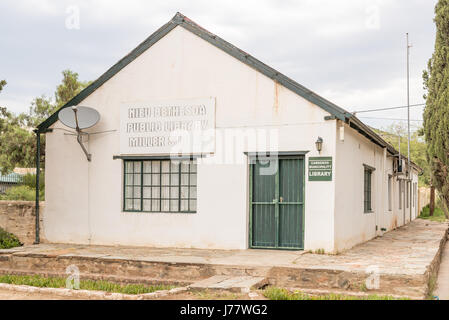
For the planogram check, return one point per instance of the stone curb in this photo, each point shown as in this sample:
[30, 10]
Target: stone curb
[91, 294]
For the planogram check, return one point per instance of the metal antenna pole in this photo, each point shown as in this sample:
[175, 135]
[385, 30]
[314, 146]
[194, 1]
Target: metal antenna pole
[408, 127]
[79, 137]
[408, 105]
[400, 160]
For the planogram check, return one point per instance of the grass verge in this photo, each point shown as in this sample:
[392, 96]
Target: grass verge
[97, 285]
[274, 293]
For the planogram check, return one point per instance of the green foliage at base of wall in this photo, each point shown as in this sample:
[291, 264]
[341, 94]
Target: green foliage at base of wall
[438, 214]
[8, 240]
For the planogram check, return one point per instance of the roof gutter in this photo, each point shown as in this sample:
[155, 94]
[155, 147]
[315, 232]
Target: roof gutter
[370, 134]
[364, 130]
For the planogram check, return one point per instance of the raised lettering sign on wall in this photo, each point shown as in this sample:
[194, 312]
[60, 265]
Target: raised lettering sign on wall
[168, 127]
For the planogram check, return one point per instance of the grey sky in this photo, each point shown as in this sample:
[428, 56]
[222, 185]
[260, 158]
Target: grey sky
[351, 52]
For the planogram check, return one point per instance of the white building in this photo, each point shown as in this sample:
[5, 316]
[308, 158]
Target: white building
[220, 195]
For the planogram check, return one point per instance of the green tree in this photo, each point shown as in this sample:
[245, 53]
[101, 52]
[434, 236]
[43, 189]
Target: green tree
[69, 87]
[436, 113]
[42, 107]
[18, 147]
[392, 133]
[17, 140]
[2, 84]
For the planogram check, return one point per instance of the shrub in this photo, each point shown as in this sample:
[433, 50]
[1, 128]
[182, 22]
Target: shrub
[23, 192]
[438, 214]
[30, 180]
[8, 240]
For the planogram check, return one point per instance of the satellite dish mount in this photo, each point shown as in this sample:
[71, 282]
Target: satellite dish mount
[79, 118]
[79, 136]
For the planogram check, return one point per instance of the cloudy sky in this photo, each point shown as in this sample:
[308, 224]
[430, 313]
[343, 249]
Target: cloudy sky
[352, 52]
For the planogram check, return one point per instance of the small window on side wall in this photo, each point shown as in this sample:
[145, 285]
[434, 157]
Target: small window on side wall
[390, 183]
[408, 194]
[415, 193]
[367, 189]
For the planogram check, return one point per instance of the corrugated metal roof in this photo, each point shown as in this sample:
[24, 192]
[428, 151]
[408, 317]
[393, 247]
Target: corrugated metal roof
[11, 178]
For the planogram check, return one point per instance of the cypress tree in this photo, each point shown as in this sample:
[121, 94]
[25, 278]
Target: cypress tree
[436, 113]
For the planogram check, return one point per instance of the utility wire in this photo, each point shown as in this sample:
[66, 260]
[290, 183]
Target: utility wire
[395, 119]
[390, 108]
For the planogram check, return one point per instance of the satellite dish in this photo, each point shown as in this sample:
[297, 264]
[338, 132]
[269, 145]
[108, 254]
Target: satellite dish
[79, 118]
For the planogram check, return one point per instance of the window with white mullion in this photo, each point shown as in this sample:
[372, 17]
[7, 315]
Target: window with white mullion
[160, 186]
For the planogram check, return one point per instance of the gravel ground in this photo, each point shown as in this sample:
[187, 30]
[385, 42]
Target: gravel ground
[13, 295]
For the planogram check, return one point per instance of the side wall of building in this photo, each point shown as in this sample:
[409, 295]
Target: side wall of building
[389, 205]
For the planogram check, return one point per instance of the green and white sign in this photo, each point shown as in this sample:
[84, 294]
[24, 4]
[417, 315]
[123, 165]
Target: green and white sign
[320, 169]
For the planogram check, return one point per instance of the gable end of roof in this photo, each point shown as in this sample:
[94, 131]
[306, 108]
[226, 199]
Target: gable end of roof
[237, 53]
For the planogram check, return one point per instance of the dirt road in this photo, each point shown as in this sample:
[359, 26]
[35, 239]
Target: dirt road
[14, 295]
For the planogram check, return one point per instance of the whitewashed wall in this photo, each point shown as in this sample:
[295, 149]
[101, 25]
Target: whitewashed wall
[84, 200]
[352, 225]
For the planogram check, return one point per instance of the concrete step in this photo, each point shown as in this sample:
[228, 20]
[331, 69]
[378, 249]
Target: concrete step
[242, 284]
[120, 269]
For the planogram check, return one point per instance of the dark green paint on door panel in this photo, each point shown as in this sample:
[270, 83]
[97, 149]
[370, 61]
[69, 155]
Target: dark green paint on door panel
[277, 204]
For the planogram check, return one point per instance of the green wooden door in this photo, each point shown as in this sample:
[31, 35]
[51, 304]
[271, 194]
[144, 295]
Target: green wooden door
[277, 203]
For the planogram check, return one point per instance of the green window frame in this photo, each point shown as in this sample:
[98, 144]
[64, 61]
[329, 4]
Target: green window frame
[160, 186]
[367, 189]
[415, 189]
[390, 196]
[408, 195]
